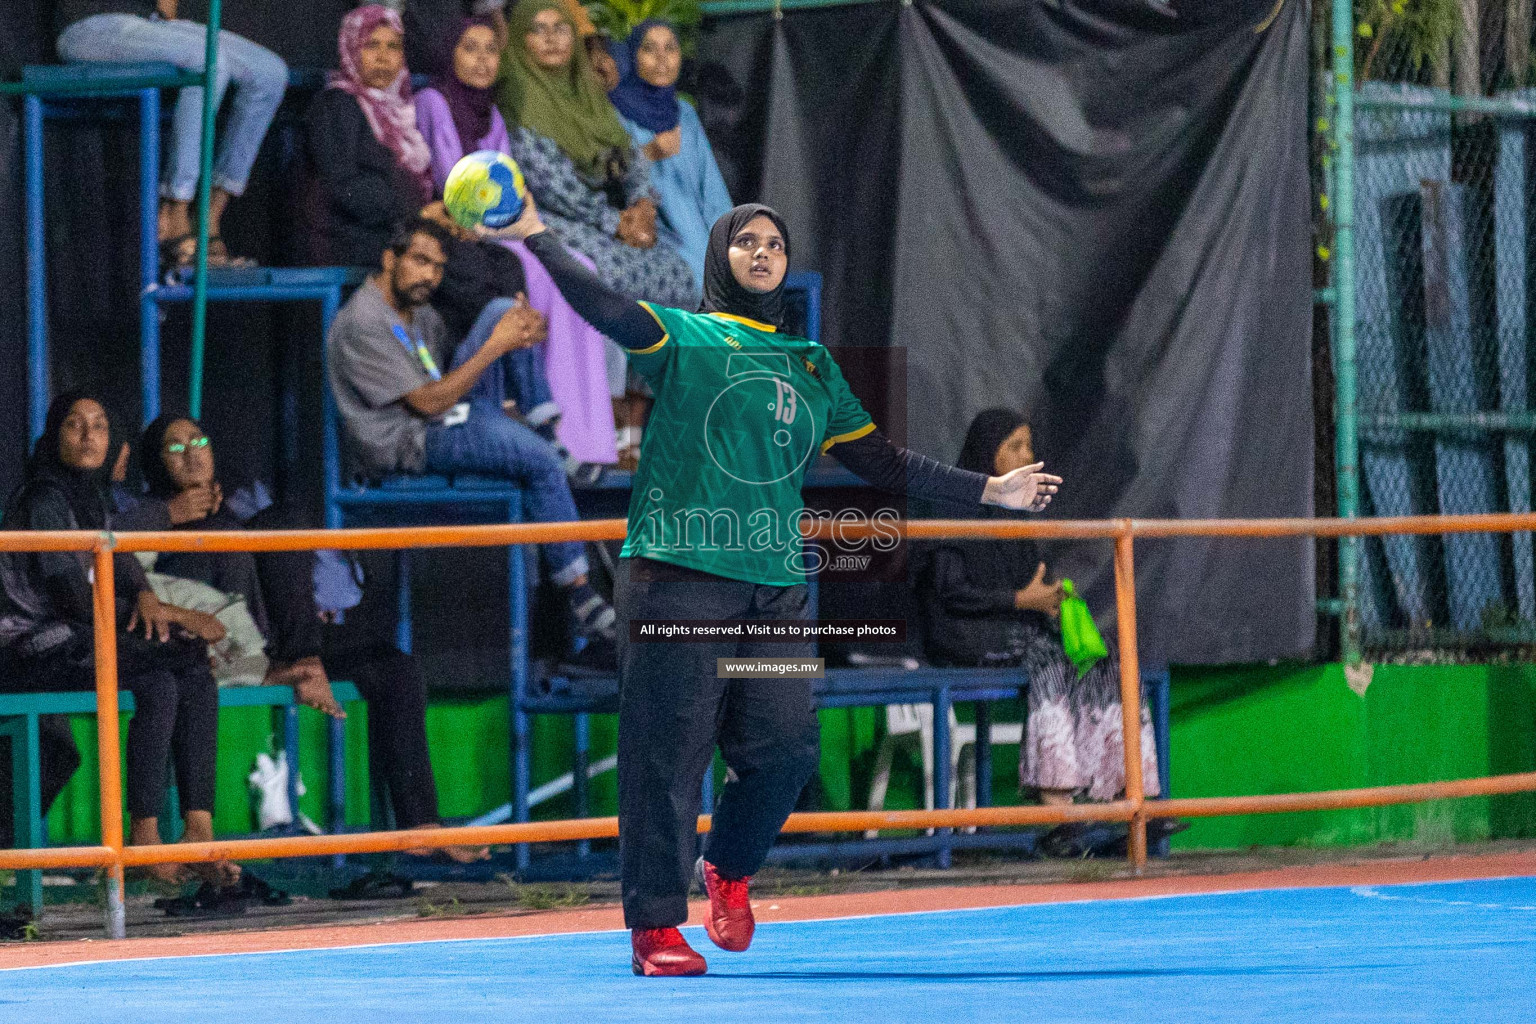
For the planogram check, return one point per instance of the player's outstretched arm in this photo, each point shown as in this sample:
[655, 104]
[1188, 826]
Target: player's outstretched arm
[1025, 488]
[874, 459]
[614, 314]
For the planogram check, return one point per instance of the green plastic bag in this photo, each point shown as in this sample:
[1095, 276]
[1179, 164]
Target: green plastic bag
[1085, 647]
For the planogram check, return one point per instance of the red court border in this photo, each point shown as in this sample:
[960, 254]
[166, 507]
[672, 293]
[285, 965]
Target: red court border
[788, 908]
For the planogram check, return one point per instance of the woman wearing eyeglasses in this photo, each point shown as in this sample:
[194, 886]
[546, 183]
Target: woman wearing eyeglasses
[47, 638]
[593, 188]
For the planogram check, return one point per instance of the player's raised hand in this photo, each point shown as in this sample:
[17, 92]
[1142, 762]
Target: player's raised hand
[1025, 488]
[526, 226]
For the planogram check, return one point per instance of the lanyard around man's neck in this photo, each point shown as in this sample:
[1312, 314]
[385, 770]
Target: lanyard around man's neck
[419, 350]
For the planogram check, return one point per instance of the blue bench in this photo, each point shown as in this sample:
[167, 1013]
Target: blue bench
[19, 713]
[584, 694]
[804, 287]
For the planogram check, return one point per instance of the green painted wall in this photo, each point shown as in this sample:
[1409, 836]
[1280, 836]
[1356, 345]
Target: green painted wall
[1236, 730]
[1297, 728]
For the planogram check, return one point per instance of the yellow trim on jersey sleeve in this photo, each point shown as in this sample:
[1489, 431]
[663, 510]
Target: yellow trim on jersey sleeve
[665, 336]
[852, 435]
[754, 324]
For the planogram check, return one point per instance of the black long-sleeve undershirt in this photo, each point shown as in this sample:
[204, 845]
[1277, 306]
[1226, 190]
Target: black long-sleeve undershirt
[878, 462]
[613, 313]
[873, 458]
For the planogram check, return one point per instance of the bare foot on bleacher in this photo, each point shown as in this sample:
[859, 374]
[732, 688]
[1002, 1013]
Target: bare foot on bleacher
[457, 854]
[311, 687]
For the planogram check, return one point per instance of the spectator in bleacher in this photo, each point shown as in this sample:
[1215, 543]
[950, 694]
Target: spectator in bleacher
[401, 414]
[591, 185]
[279, 587]
[569, 370]
[47, 638]
[430, 27]
[148, 30]
[603, 53]
[989, 602]
[483, 284]
[370, 166]
[667, 131]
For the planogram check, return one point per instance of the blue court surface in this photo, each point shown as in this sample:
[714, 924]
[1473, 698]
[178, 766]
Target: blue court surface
[1458, 951]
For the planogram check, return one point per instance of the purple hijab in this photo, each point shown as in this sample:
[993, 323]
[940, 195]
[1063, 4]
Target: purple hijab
[471, 108]
[652, 107]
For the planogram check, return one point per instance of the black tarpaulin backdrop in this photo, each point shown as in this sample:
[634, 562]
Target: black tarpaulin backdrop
[1087, 211]
[1078, 208]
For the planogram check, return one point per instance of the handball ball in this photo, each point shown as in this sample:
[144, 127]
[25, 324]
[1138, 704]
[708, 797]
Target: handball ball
[485, 188]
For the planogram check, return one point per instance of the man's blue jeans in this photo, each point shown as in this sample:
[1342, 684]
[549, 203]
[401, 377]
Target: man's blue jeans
[519, 376]
[260, 77]
[492, 444]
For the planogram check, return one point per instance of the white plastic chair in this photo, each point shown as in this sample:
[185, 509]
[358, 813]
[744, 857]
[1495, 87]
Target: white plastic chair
[906, 722]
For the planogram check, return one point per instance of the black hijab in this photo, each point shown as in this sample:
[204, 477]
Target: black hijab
[722, 293]
[152, 459]
[84, 489]
[986, 435]
[1007, 562]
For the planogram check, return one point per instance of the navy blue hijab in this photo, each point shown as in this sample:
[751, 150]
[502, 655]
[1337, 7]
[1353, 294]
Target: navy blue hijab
[652, 107]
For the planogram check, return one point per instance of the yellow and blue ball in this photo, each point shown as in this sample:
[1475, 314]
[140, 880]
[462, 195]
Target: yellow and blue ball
[485, 188]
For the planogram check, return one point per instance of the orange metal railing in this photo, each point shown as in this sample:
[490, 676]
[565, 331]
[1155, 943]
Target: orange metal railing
[1134, 809]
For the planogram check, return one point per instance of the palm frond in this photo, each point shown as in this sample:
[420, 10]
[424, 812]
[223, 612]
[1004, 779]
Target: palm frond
[618, 18]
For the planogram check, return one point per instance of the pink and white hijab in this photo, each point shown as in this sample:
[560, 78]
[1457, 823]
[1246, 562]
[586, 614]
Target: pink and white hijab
[390, 112]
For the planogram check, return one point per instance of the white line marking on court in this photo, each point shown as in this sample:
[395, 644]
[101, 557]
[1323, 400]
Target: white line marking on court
[1372, 892]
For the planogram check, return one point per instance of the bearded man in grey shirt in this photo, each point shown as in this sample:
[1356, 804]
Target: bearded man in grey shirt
[401, 414]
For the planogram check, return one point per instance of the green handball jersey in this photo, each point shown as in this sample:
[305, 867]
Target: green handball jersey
[741, 412]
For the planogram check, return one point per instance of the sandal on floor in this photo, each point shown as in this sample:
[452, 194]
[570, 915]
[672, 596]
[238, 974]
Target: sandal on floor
[208, 901]
[260, 891]
[376, 885]
[224, 901]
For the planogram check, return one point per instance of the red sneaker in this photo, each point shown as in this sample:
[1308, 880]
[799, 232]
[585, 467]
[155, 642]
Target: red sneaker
[729, 922]
[663, 953]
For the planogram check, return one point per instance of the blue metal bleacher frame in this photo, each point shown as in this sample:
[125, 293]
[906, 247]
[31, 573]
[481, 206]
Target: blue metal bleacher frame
[19, 714]
[54, 91]
[326, 286]
[382, 502]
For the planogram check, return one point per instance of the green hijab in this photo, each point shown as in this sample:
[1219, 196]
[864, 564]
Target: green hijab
[569, 106]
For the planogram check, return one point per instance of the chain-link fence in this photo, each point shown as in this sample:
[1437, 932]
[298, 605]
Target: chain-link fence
[1443, 166]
